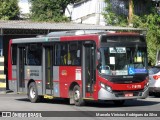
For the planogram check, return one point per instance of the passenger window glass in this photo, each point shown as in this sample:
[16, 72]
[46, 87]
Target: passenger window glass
[68, 53]
[61, 54]
[34, 54]
[75, 54]
[14, 54]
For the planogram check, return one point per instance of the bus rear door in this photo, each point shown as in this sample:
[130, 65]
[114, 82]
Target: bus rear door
[48, 70]
[21, 66]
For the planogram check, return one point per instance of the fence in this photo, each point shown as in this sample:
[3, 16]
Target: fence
[2, 75]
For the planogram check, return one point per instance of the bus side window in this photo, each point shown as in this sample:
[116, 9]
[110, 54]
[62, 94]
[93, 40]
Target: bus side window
[34, 55]
[74, 50]
[68, 54]
[60, 54]
[14, 54]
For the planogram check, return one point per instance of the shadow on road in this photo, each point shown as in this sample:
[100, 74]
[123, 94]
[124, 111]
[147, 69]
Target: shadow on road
[128, 103]
[101, 104]
[48, 101]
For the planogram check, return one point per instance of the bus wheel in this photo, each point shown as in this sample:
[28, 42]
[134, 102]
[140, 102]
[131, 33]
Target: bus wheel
[157, 94]
[119, 102]
[78, 101]
[33, 93]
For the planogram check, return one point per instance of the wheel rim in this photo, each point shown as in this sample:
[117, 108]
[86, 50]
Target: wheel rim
[76, 95]
[32, 93]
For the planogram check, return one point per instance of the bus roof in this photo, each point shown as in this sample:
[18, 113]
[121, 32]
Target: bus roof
[55, 36]
[84, 32]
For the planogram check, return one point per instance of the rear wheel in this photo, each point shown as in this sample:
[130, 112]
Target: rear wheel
[119, 102]
[77, 96]
[33, 93]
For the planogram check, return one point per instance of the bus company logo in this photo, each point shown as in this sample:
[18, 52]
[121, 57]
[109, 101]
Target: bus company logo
[6, 114]
[64, 72]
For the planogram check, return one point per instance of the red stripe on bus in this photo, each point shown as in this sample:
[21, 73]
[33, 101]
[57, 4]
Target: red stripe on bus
[9, 62]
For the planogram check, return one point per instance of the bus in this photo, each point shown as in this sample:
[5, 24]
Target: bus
[80, 65]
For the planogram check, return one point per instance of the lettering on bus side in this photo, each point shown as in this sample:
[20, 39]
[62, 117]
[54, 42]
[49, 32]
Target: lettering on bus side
[34, 72]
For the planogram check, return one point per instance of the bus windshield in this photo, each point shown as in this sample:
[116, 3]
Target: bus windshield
[123, 60]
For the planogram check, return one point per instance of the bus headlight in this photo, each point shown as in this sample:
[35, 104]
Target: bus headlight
[102, 85]
[106, 87]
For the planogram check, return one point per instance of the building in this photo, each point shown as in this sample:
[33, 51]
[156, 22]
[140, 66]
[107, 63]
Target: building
[87, 12]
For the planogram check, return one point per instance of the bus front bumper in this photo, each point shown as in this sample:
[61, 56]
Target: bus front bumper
[122, 95]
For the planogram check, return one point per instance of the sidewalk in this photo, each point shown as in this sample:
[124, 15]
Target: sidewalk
[6, 92]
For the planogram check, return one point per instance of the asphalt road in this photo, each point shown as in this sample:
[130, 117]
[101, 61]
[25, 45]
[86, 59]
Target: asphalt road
[20, 103]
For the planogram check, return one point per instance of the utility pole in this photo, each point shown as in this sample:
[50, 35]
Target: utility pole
[130, 15]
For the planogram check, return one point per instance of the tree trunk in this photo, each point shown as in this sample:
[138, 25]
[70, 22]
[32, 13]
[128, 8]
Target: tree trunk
[130, 16]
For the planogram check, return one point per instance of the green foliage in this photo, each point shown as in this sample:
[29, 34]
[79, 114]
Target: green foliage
[49, 10]
[112, 18]
[153, 36]
[152, 23]
[9, 10]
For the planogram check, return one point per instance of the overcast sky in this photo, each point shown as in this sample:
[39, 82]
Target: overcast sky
[24, 6]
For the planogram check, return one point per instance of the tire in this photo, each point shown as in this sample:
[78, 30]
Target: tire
[157, 94]
[33, 93]
[77, 96]
[119, 102]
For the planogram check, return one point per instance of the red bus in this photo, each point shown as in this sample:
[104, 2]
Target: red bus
[80, 65]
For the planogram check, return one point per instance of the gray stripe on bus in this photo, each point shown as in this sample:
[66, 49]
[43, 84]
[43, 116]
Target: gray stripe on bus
[1, 72]
[37, 40]
[14, 71]
[55, 73]
[1, 63]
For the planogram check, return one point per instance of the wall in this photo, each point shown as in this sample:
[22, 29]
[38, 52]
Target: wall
[88, 12]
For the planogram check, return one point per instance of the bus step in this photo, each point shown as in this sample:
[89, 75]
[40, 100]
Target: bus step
[48, 97]
[88, 98]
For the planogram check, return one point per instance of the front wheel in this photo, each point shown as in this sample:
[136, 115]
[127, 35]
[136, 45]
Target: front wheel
[77, 96]
[33, 93]
[119, 102]
[156, 94]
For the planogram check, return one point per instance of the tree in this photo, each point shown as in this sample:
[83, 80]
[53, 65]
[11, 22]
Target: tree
[121, 12]
[9, 10]
[49, 10]
[130, 14]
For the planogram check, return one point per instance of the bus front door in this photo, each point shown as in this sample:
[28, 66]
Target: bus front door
[21, 66]
[88, 66]
[48, 70]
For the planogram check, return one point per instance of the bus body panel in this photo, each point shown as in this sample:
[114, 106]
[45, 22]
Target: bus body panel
[68, 75]
[64, 76]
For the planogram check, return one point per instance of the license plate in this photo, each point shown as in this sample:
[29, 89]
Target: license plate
[128, 94]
